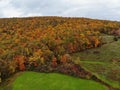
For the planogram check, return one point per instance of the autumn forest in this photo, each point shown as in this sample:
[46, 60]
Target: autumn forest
[45, 44]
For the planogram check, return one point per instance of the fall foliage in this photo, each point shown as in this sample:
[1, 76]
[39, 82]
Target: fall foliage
[31, 42]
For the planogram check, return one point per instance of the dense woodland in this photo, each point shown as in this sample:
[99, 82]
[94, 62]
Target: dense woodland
[37, 42]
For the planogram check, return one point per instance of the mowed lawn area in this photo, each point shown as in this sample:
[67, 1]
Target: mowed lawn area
[53, 81]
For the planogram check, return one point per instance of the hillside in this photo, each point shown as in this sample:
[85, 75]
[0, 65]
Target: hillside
[105, 63]
[48, 44]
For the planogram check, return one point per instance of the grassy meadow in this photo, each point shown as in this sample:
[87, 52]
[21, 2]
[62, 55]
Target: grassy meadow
[104, 61]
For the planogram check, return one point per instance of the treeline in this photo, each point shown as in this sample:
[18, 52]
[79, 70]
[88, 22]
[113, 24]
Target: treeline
[26, 43]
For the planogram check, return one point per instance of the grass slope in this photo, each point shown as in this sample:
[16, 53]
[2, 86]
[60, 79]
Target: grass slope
[53, 81]
[102, 63]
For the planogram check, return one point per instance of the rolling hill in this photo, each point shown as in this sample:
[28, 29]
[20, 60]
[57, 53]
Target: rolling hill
[80, 47]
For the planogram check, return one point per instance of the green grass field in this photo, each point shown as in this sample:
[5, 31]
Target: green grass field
[53, 81]
[102, 64]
